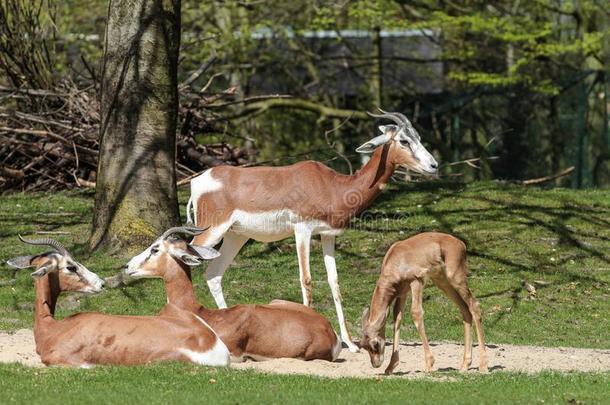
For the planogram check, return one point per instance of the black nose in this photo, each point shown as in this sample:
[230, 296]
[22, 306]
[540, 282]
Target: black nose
[434, 165]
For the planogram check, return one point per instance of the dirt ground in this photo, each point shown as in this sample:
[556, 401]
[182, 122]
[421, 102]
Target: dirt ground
[20, 347]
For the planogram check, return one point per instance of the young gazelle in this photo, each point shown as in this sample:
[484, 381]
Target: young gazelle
[306, 199]
[85, 339]
[406, 267]
[280, 329]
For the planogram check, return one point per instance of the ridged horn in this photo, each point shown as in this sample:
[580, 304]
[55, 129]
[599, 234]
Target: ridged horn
[188, 230]
[47, 242]
[389, 116]
[398, 115]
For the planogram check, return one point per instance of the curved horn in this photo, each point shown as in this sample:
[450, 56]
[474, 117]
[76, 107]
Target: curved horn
[389, 116]
[398, 115]
[189, 230]
[47, 242]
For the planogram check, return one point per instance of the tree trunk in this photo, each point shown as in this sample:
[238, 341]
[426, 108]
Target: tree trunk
[136, 196]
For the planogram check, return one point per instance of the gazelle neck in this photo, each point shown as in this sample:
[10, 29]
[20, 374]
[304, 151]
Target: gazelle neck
[383, 296]
[179, 287]
[47, 290]
[366, 184]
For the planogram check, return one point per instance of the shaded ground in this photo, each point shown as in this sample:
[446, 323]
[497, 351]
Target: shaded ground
[19, 347]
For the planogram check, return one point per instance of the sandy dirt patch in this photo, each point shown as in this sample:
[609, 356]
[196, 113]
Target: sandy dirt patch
[19, 347]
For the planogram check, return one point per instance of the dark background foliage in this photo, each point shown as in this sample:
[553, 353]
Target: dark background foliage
[519, 86]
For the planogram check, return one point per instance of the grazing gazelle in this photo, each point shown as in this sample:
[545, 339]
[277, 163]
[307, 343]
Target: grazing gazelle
[407, 265]
[86, 339]
[280, 329]
[308, 198]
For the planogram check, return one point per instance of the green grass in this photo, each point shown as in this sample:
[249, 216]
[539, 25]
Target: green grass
[560, 237]
[176, 383]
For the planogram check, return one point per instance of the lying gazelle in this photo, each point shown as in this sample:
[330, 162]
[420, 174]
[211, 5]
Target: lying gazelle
[258, 332]
[406, 267]
[86, 339]
[308, 198]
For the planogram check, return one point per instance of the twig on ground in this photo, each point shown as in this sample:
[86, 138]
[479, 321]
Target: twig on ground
[544, 179]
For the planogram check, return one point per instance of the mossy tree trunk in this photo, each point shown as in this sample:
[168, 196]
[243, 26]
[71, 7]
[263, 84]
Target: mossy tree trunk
[136, 186]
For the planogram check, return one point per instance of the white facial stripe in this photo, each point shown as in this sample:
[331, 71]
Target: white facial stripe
[92, 279]
[93, 282]
[412, 133]
[425, 158]
[136, 262]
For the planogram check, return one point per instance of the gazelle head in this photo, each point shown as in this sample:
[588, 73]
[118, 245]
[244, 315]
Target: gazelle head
[372, 340]
[158, 258]
[405, 148]
[72, 275]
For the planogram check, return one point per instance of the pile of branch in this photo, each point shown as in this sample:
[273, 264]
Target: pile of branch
[49, 139]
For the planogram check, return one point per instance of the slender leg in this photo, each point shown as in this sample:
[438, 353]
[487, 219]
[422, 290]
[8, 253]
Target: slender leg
[399, 305]
[302, 235]
[231, 245]
[453, 295]
[417, 312]
[475, 310]
[328, 249]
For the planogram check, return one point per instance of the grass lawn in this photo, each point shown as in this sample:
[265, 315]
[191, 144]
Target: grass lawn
[177, 383]
[557, 238]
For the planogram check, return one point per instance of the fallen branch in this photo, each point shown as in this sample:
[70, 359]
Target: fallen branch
[544, 179]
[259, 107]
[471, 162]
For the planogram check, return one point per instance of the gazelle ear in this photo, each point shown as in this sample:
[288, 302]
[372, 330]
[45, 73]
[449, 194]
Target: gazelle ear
[365, 316]
[20, 262]
[206, 253]
[382, 128]
[42, 271]
[370, 146]
[185, 257]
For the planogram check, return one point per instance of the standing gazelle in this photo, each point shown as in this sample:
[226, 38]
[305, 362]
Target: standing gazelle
[308, 198]
[406, 267]
[88, 338]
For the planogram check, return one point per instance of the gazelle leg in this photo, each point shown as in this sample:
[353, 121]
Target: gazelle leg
[475, 310]
[231, 245]
[302, 235]
[417, 312]
[399, 305]
[453, 295]
[328, 249]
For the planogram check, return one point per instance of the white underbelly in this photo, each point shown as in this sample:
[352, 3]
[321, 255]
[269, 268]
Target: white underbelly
[272, 226]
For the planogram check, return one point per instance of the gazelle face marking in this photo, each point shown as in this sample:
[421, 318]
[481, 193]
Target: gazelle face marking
[410, 153]
[406, 149]
[372, 341]
[376, 349]
[73, 276]
[146, 264]
[152, 262]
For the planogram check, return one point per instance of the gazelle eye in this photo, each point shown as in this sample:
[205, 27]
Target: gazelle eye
[71, 268]
[406, 143]
[154, 250]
